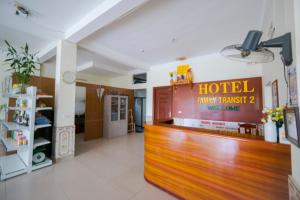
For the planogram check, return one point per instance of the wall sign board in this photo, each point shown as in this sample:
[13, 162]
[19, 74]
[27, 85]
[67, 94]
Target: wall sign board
[236, 100]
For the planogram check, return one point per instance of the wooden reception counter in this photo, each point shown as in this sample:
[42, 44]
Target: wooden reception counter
[194, 164]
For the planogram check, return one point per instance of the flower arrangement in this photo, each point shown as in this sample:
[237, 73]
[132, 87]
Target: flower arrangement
[275, 115]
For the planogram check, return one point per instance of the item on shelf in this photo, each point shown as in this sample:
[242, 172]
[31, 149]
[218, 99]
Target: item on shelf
[189, 75]
[21, 117]
[38, 157]
[19, 138]
[41, 120]
[40, 92]
[42, 105]
[16, 89]
[21, 103]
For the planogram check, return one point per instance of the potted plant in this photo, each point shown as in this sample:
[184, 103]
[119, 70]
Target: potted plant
[3, 107]
[22, 64]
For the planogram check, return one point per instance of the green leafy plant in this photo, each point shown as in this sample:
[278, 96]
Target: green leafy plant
[3, 107]
[22, 64]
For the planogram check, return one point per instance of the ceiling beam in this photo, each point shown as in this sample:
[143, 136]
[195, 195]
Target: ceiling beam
[91, 64]
[85, 66]
[103, 15]
[115, 56]
[110, 68]
[48, 52]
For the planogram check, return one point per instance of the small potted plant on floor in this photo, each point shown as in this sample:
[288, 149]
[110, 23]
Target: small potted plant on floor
[22, 64]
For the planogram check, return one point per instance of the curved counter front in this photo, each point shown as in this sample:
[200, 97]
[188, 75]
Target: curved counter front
[197, 165]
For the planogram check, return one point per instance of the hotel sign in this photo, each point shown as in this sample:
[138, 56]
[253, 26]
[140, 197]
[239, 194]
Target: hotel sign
[237, 100]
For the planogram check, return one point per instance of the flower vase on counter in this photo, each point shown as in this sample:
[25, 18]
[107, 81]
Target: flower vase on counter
[270, 130]
[273, 121]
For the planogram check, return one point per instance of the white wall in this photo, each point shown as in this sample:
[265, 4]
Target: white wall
[48, 70]
[205, 68]
[296, 150]
[280, 14]
[285, 15]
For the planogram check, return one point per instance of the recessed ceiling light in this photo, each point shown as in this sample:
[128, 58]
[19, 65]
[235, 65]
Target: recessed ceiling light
[174, 40]
[181, 58]
[142, 50]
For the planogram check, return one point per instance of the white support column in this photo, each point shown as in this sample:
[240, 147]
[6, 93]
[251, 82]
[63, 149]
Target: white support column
[64, 136]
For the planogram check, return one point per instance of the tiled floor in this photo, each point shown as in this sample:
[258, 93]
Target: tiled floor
[106, 169]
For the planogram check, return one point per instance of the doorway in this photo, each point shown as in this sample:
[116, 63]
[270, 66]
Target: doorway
[80, 106]
[162, 99]
[139, 109]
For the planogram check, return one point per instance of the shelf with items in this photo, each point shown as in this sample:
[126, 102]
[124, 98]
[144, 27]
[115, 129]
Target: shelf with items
[42, 126]
[17, 135]
[40, 142]
[43, 96]
[10, 145]
[183, 76]
[37, 131]
[18, 108]
[43, 108]
[47, 162]
[11, 166]
[12, 126]
[175, 84]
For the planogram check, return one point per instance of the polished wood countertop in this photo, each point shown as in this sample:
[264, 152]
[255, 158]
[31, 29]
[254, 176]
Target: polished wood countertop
[192, 164]
[206, 131]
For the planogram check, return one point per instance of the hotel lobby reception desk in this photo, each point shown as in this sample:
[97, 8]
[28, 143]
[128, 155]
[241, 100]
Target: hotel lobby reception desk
[197, 165]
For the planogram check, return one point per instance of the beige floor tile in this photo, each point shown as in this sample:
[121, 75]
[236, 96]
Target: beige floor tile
[150, 192]
[103, 169]
[2, 190]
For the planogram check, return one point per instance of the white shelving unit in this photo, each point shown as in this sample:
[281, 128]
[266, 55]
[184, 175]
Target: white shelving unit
[21, 161]
[40, 142]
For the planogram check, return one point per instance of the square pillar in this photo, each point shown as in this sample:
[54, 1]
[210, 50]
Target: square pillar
[65, 85]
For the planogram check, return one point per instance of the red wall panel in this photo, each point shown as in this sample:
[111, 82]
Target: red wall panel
[187, 102]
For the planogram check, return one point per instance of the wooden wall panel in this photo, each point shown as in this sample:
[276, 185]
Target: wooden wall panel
[199, 165]
[95, 107]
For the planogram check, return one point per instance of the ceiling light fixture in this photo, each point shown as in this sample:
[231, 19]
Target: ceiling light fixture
[180, 58]
[20, 9]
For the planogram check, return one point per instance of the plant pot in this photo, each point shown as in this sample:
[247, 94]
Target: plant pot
[270, 131]
[24, 88]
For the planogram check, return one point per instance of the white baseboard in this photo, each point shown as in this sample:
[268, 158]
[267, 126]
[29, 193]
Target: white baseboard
[294, 189]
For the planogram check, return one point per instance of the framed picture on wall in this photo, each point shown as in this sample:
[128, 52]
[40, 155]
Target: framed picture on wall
[275, 98]
[292, 86]
[292, 124]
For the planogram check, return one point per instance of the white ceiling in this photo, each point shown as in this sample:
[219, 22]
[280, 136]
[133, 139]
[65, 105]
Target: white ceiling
[143, 35]
[198, 27]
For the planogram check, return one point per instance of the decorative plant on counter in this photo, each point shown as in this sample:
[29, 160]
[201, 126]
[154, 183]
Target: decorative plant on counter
[171, 75]
[22, 64]
[275, 115]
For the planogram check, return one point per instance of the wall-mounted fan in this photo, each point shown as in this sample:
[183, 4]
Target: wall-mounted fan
[253, 51]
